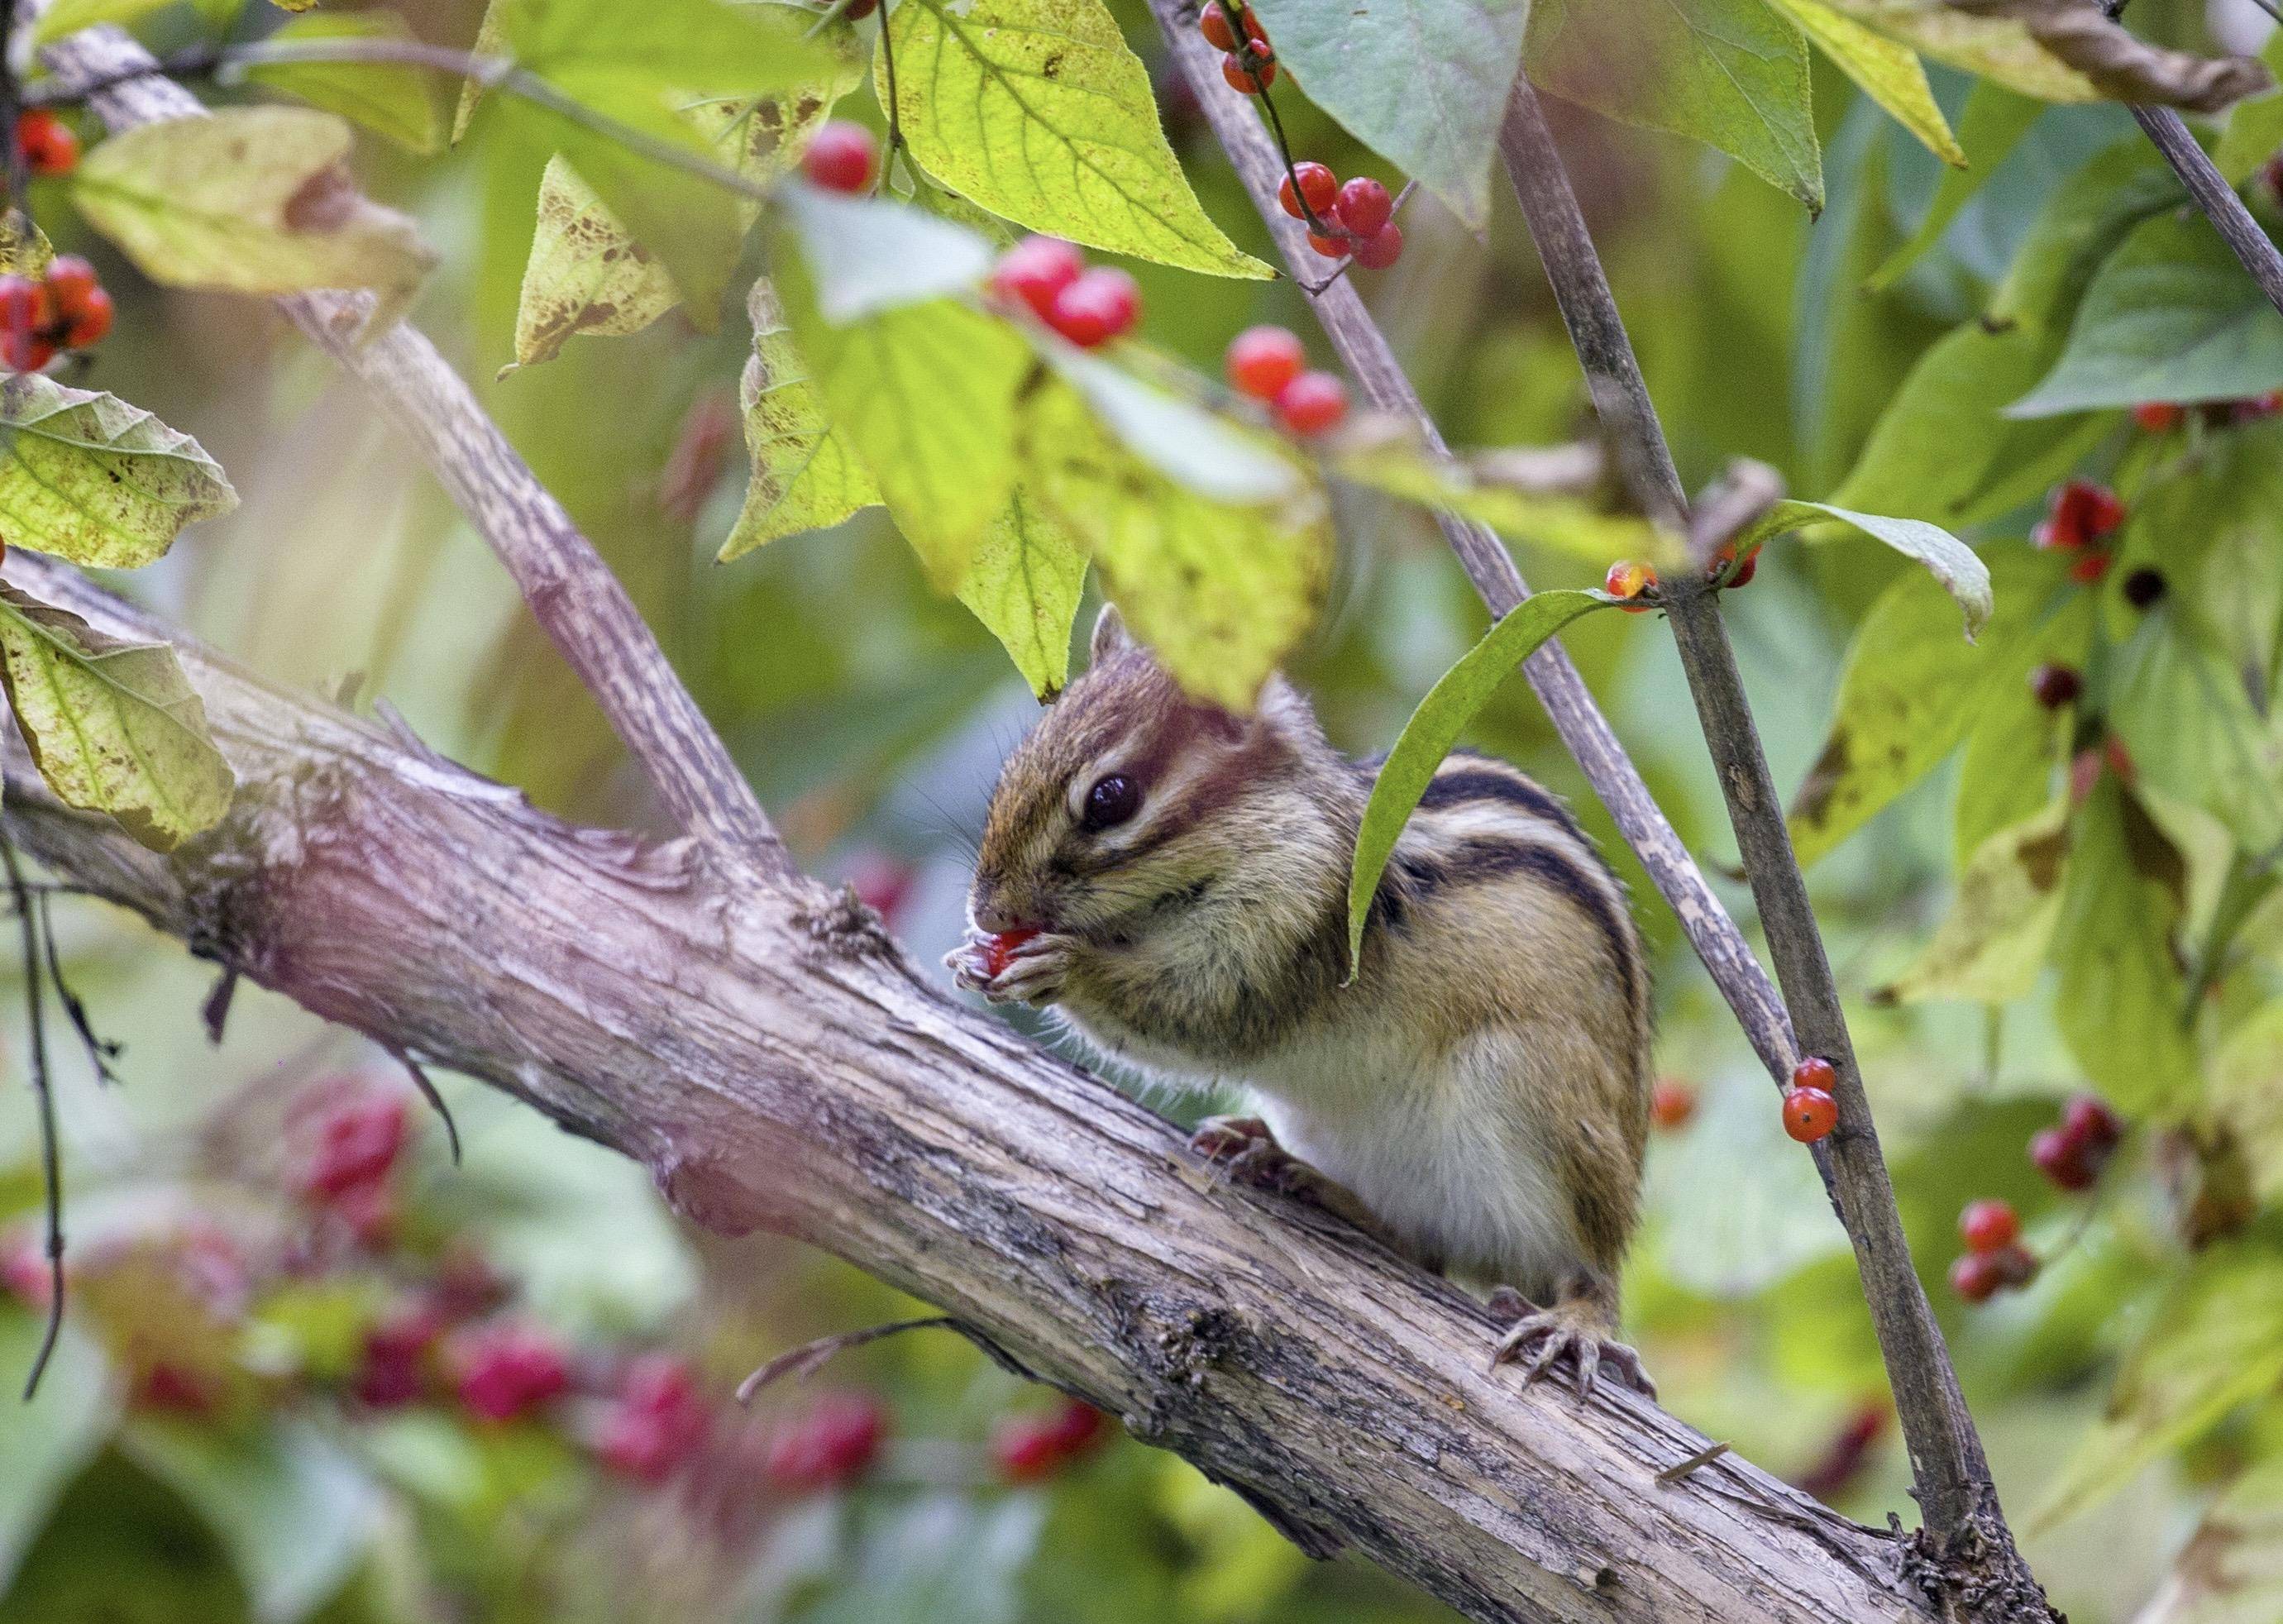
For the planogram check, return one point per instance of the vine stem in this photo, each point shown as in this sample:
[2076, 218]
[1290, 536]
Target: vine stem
[51, 1168]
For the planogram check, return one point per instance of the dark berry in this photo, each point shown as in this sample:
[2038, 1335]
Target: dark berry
[1311, 403]
[1319, 187]
[1364, 206]
[1262, 360]
[1809, 1114]
[841, 157]
[859, 10]
[1035, 270]
[1985, 1226]
[1672, 1104]
[1102, 305]
[2091, 1123]
[2062, 1160]
[1381, 249]
[2055, 686]
[2016, 1267]
[2143, 587]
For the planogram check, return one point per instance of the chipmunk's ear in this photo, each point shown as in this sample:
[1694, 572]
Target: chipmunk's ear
[1110, 637]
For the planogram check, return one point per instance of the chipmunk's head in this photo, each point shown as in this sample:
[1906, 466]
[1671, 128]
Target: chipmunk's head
[1131, 804]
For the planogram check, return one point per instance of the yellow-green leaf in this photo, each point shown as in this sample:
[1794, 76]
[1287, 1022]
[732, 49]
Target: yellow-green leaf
[1951, 561]
[805, 475]
[90, 477]
[2247, 1093]
[25, 249]
[1450, 484]
[113, 726]
[250, 201]
[398, 99]
[70, 16]
[1037, 110]
[1023, 584]
[1991, 944]
[490, 43]
[1890, 74]
[1220, 591]
[2231, 1571]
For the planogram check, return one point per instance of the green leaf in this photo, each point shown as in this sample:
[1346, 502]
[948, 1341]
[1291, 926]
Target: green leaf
[926, 394]
[70, 16]
[1215, 456]
[1993, 125]
[1991, 944]
[1891, 74]
[90, 478]
[2121, 996]
[1908, 691]
[401, 101]
[1023, 584]
[1220, 592]
[1453, 702]
[2254, 127]
[1453, 484]
[2246, 1094]
[869, 254]
[1422, 83]
[805, 475]
[1951, 561]
[2215, 530]
[49, 1436]
[2215, 1342]
[250, 201]
[2172, 315]
[2012, 756]
[1036, 110]
[112, 726]
[1731, 74]
[2184, 713]
[2231, 1571]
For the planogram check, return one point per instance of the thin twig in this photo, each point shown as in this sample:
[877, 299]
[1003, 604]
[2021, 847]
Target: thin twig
[52, 1161]
[100, 1052]
[421, 1081]
[895, 98]
[2171, 136]
[1696, 1463]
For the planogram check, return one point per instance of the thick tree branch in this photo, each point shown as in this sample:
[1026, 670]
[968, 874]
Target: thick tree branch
[1956, 1496]
[572, 591]
[777, 1063]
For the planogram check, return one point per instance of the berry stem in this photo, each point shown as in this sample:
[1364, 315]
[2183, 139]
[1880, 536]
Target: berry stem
[895, 119]
[1316, 222]
[1315, 289]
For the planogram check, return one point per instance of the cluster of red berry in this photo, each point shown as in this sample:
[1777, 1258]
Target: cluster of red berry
[1270, 365]
[841, 157]
[2163, 417]
[68, 308]
[1810, 1109]
[1029, 1446]
[2073, 1153]
[2079, 516]
[1090, 306]
[47, 142]
[1994, 1259]
[1247, 62]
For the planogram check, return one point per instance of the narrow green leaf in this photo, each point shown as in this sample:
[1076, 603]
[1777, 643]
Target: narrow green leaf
[1453, 484]
[1993, 125]
[1991, 945]
[399, 100]
[112, 726]
[1889, 74]
[805, 475]
[1731, 74]
[1038, 110]
[250, 201]
[2172, 315]
[1435, 726]
[1023, 584]
[1422, 83]
[90, 478]
[1220, 592]
[1949, 560]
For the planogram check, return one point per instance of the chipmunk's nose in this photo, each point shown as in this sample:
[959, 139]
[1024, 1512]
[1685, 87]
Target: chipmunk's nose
[995, 909]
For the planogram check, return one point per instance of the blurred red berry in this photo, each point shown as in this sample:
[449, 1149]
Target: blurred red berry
[357, 1144]
[1810, 1114]
[70, 279]
[1262, 360]
[2079, 513]
[1976, 1276]
[2158, 416]
[834, 1442]
[505, 1370]
[1381, 249]
[1035, 270]
[1364, 206]
[881, 882]
[1319, 188]
[1672, 1104]
[2017, 1268]
[2257, 409]
[174, 1389]
[24, 1272]
[1031, 1447]
[1842, 1458]
[656, 1421]
[1102, 305]
[47, 142]
[1986, 1225]
[2118, 759]
[2090, 1122]
[391, 1370]
[2091, 567]
[2063, 1161]
[2055, 686]
[1312, 404]
[841, 157]
[1244, 78]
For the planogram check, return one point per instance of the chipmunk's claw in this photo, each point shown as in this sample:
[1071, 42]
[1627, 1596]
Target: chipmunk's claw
[1032, 973]
[1544, 1338]
[1244, 1150]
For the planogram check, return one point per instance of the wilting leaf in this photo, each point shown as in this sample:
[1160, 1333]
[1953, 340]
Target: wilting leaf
[250, 201]
[1991, 944]
[1562, 523]
[401, 101]
[1889, 74]
[25, 249]
[1949, 560]
[1220, 591]
[806, 475]
[1023, 584]
[113, 726]
[1454, 701]
[90, 477]
[1731, 74]
[1037, 110]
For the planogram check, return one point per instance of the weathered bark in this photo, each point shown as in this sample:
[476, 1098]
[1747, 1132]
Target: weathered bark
[778, 1064]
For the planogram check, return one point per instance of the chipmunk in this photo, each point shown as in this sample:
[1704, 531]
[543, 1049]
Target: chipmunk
[1480, 1092]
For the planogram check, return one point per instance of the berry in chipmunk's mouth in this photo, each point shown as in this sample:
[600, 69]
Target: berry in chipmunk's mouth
[998, 949]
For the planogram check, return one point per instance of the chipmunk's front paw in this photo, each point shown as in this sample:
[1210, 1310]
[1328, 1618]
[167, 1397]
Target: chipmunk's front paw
[1013, 967]
[1569, 1332]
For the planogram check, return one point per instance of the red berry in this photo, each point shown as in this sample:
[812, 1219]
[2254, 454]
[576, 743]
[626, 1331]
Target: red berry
[505, 1370]
[999, 952]
[1035, 270]
[1331, 247]
[24, 1270]
[1671, 1104]
[1725, 560]
[2017, 1268]
[1100, 306]
[1364, 206]
[2092, 1124]
[70, 280]
[1076, 1425]
[830, 1446]
[88, 325]
[1629, 579]
[2091, 567]
[1381, 249]
[1214, 24]
[1319, 187]
[1029, 1448]
[47, 142]
[656, 1422]
[2079, 512]
[1262, 360]
[357, 1142]
[1815, 1071]
[1243, 78]
[2054, 685]
[2158, 416]
[390, 1371]
[841, 157]
[176, 1389]
[1809, 1114]
[1987, 1225]
[1311, 403]
[2062, 1160]
[1976, 1276]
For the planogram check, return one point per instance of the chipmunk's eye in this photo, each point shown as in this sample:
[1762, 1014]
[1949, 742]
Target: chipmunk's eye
[1112, 800]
